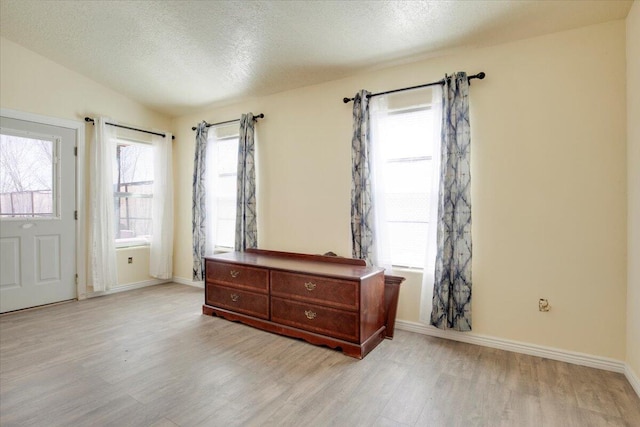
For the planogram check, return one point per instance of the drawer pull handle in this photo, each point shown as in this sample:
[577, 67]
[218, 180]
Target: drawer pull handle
[235, 297]
[234, 273]
[310, 286]
[310, 314]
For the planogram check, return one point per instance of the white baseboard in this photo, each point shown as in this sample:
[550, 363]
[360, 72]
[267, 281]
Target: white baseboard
[576, 358]
[633, 379]
[128, 287]
[188, 282]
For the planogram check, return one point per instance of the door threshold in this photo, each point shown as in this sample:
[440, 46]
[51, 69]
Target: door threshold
[37, 307]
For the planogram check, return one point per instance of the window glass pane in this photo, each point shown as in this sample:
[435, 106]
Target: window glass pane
[225, 236]
[26, 177]
[408, 243]
[226, 186]
[133, 186]
[408, 134]
[133, 218]
[408, 177]
[139, 187]
[133, 168]
[226, 208]
[403, 207]
[227, 155]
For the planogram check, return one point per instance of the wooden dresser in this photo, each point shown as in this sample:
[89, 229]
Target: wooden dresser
[337, 302]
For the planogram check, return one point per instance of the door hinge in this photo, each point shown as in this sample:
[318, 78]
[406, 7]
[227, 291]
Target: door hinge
[76, 279]
[75, 151]
[75, 215]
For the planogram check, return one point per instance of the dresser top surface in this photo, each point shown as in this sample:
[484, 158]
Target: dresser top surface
[307, 265]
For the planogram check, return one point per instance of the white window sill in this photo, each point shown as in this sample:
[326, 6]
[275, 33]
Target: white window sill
[129, 243]
[409, 269]
[222, 250]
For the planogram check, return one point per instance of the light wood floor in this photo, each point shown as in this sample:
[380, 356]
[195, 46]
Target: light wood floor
[150, 358]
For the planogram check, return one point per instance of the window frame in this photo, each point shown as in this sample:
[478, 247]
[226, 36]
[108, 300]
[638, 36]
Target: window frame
[129, 242]
[214, 140]
[401, 264]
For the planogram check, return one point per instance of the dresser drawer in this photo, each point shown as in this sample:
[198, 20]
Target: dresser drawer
[314, 289]
[335, 323]
[238, 276]
[237, 300]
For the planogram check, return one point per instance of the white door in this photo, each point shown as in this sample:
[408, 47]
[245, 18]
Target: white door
[37, 205]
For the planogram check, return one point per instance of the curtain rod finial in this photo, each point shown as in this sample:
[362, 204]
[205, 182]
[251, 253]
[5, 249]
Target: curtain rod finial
[481, 75]
[347, 100]
[193, 128]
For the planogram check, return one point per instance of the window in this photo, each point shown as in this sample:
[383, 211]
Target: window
[404, 171]
[133, 184]
[28, 171]
[221, 181]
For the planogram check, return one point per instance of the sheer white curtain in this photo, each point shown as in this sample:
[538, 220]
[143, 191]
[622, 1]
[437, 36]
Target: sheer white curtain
[161, 249]
[102, 251]
[428, 273]
[378, 109]
[211, 180]
[382, 109]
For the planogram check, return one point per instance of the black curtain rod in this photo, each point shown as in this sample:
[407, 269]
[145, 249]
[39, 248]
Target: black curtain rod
[479, 76]
[89, 119]
[259, 116]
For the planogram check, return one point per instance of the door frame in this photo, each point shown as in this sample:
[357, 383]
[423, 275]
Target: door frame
[79, 128]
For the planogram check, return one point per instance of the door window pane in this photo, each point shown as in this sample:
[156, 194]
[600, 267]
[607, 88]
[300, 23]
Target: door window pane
[27, 177]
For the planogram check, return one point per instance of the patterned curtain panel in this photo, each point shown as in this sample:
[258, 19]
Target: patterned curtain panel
[246, 221]
[452, 286]
[362, 216]
[199, 213]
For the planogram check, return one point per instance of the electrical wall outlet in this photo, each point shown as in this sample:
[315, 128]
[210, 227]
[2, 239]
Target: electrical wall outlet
[543, 305]
[130, 260]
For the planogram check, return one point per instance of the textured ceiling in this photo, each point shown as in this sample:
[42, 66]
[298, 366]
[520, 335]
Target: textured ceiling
[176, 56]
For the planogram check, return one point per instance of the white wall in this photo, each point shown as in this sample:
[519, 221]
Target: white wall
[31, 83]
[633, 182]
[549, 182]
